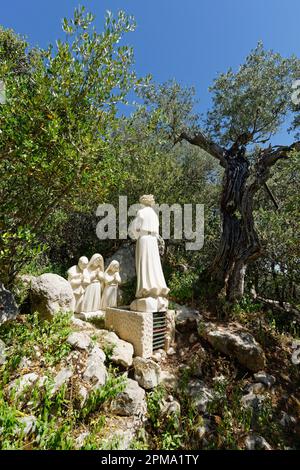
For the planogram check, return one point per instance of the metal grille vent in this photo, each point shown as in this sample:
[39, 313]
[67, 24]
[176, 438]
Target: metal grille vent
[159, 330]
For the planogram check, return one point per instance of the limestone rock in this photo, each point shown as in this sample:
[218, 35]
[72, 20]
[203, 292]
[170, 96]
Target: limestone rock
[122, 431]
[193, 338]
[287, 420]
[234, 341]
[170, 329]
[95, 371]
[199, 362]
[8, 307]
[51, 294]
[264, 378]
[62, 378]
[2, 352]
[200, 395]
[25, 363]
[254, 401]
[254, 442]
[79, 340]
[81, 324]
[185, 314]
[26, 426]
[122, 351]
[146, 372]
[96, 355]
[255, 388]
[21, 384]
[79, 441]
[20, 388]
[130, 402]
[126, 257]
[171, 351]
[171, 407]
[204, 429]
[168, 379]
[82, 395]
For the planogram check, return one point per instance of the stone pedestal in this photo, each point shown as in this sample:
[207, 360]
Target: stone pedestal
[150, 304]
[134, 327]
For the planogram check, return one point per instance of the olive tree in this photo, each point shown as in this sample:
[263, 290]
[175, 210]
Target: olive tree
[56, 125]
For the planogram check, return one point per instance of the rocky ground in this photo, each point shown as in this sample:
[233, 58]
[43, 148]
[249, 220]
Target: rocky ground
[69, 384]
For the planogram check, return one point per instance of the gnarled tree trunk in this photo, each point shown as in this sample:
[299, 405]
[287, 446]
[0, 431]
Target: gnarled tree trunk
[239, 242]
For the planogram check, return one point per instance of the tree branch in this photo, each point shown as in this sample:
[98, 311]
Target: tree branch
[200, 140]
[270, 156]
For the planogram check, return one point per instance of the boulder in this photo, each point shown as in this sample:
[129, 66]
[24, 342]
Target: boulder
[121, 351]
[51, 294]
[235, 342]
[79, 340]
[126, 257]
[2, 352]
[8, 307]
[131, 401]
[95, 371]
[146, 372]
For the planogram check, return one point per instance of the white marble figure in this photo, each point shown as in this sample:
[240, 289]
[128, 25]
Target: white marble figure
[151, 291]
[111, 281]
[92, 297]
[78, 278]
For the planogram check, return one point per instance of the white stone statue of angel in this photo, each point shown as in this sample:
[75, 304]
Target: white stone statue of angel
[92, 296]
[78, 278]
[151, 282]
[111, 281]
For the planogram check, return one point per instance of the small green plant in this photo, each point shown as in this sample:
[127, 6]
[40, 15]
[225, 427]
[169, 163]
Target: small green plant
[31, 335]
[154, 400]
[182, 286]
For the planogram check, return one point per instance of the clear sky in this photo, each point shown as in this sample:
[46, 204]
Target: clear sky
[190, 40]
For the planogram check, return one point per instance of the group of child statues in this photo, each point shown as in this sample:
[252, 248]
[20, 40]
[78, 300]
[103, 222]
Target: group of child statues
[94, 288]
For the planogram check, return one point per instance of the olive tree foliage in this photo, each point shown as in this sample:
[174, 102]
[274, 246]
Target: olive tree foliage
[56, 126]
[174, 174]
[248, 108]
[276, 275]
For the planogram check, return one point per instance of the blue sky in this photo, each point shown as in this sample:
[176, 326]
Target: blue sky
[190, 40]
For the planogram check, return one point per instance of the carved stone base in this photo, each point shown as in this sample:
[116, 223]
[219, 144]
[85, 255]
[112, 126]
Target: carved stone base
[98, 315]
[150, 304]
